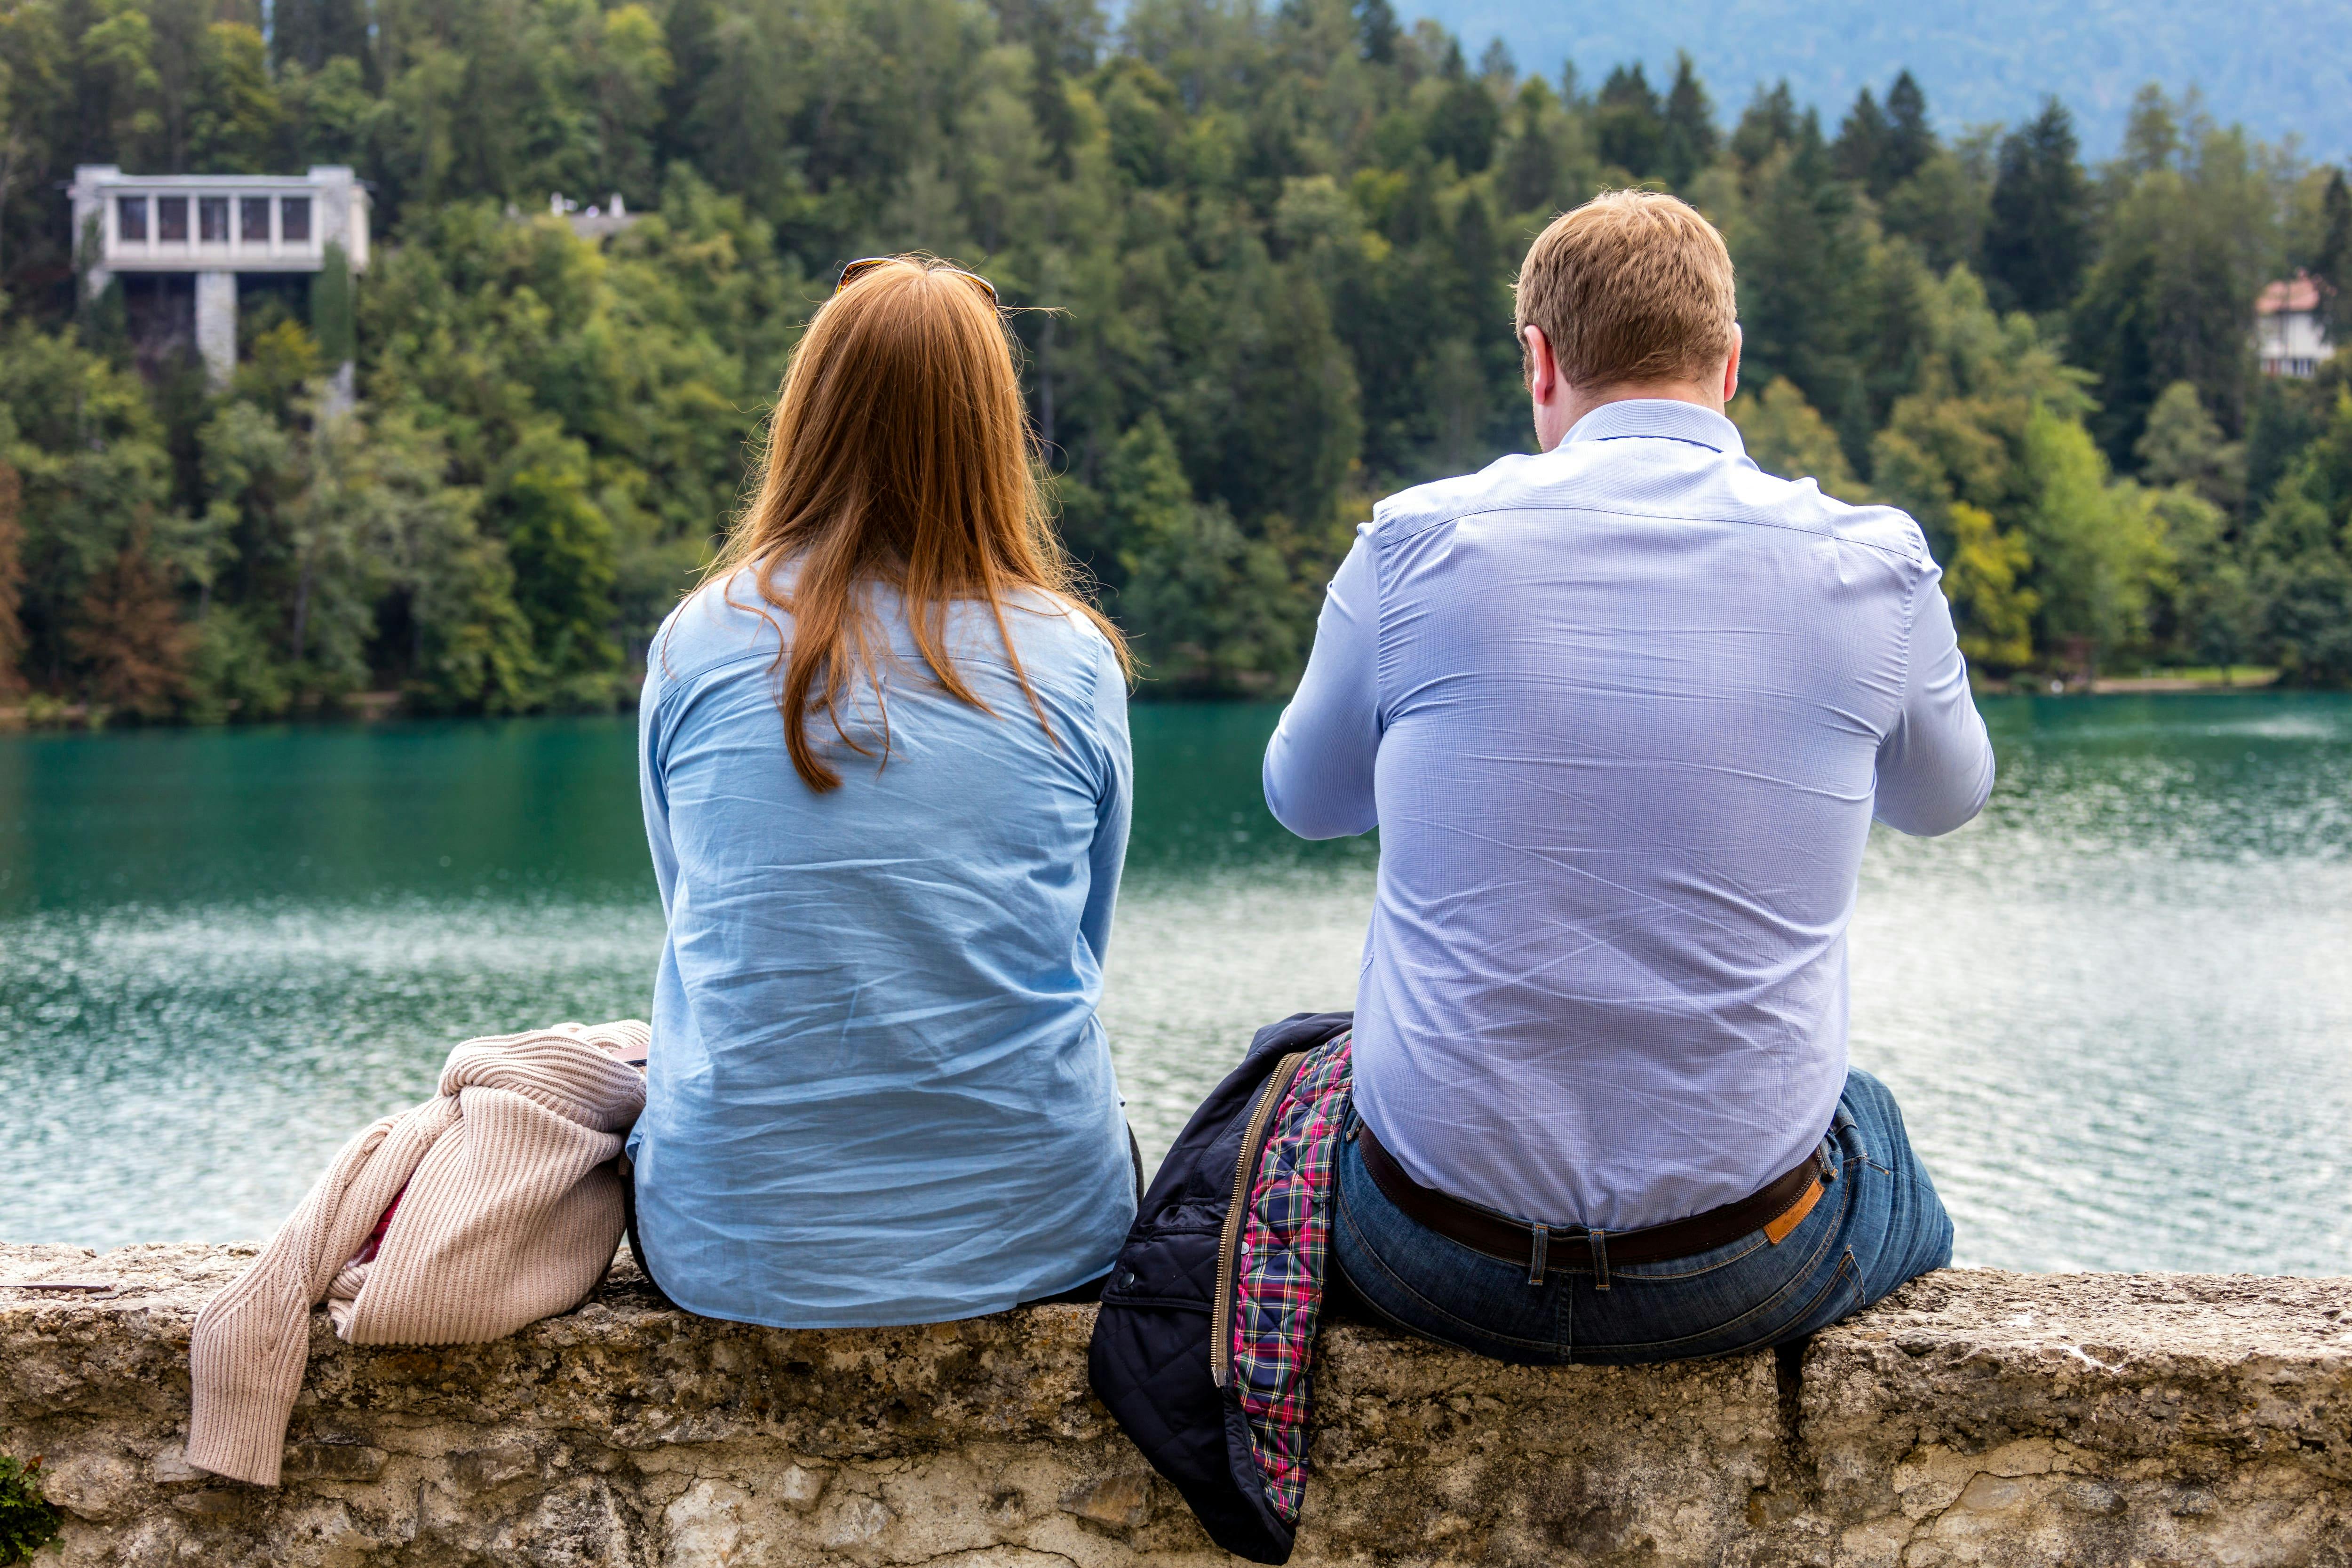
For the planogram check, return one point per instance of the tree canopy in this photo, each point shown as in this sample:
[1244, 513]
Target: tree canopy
[1260, 261]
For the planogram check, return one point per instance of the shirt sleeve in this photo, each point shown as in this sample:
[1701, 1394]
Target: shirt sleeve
[652, 793]
[1935, 765]
[1319, 766]
[1114, 809]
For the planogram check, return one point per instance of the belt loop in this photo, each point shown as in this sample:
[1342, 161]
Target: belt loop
[1600, 1243]
[1538, 1253]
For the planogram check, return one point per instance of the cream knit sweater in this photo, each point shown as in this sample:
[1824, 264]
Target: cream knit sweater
[511, 1212]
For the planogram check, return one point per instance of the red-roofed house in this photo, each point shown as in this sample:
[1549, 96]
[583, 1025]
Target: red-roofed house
[2288, 335]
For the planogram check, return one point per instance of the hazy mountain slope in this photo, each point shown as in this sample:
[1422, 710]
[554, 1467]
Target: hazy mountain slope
[2279, 65]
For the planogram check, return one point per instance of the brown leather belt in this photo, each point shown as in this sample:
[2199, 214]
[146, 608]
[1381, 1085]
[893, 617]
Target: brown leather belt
[1776, 1210]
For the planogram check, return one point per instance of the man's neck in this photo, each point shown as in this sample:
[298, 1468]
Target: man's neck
[1573, 403]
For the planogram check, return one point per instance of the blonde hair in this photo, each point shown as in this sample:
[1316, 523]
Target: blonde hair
[900, 453]
[1631, 287]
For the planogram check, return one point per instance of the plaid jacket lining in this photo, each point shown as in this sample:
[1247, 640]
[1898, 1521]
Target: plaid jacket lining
[1278, 1283]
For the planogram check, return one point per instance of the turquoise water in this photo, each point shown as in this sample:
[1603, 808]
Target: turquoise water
[2118, 1007]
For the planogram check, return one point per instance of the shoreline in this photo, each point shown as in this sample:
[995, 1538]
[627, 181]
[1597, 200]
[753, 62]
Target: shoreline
[44, 715]
[2192, 682]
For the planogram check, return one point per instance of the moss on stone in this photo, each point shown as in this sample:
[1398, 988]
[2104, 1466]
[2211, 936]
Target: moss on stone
[28, 1521]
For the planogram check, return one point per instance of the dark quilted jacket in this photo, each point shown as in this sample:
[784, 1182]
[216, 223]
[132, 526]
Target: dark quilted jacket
[1149, 1359]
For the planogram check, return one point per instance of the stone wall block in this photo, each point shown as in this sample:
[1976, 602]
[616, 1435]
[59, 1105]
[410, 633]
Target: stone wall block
[2090, 1419]
[1977, 1418]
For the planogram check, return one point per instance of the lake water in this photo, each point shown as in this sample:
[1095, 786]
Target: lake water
[2118, 1007]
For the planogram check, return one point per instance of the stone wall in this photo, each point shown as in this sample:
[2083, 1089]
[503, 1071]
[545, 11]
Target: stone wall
[1977, 1418]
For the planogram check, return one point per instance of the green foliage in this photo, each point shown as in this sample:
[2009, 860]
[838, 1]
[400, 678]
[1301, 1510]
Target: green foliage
[1803, 260]
[2191, 238]
[563, 551]
[2302, 554]
[2183, 445]
[2204, 608]
[93, 474]
[280, 361]
[2096, 546]
[12, 573]
[237, 120]
[234, 672]
[1787, 437]
[1984, 570]
[1260, 259]
[1988, 453]
[1219, 610]
[28, 1521]
[2331, 265]
[332, 322]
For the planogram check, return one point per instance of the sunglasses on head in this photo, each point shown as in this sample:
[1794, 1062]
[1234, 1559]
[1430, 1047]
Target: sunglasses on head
[852, 271]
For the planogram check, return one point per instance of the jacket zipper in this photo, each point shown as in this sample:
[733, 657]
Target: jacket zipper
[1221, 1320]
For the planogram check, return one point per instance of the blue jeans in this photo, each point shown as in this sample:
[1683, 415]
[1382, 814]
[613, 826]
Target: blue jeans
[1878, 1224]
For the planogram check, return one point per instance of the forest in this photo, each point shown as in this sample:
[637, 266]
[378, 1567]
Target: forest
[1261, 263]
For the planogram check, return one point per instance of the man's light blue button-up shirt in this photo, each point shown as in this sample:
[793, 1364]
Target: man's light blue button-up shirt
[1622, 713]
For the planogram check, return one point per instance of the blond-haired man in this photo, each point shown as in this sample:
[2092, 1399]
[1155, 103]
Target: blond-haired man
[1622, 711]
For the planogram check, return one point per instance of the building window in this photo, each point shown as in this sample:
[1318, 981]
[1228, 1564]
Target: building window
[212, 220]
[253, 219]
[172, 218]
[294, 219]
[131, 217]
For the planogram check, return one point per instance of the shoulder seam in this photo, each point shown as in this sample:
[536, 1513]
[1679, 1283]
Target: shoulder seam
[725, 661]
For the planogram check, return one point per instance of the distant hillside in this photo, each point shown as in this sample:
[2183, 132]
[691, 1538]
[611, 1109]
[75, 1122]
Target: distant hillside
[2280, 66]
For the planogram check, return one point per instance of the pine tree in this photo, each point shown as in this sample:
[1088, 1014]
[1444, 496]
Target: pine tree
[1803, 281]
[1531, 173]
[1630, 122]
[1910, 140]
[2038, 241]
[1859, 155]
[1691, 138]
[1063, 38]
[1770, 122]
[2333, 269]
[1463, 124]
[1376, 26]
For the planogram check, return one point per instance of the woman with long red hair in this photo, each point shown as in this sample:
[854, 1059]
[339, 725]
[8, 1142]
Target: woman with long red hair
[886, 772]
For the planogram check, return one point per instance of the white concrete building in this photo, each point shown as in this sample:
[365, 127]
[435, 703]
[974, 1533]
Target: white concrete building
[2289, 338]
[216, 226]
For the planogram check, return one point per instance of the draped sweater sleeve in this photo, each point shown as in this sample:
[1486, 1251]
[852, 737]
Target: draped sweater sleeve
[510, 1210]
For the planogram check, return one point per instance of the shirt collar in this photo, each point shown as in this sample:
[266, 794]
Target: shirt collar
[1661, 418]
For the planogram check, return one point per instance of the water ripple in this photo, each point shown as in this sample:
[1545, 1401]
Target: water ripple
[2117, 1008]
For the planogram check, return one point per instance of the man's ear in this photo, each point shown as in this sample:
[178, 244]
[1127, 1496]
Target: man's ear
[1731, 367]
[1543, 370]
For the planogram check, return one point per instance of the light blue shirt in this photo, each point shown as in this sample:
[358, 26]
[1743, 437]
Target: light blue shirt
[1621, 713]
[879, 1092]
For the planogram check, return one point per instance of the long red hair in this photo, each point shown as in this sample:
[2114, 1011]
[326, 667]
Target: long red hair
[900, 453]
